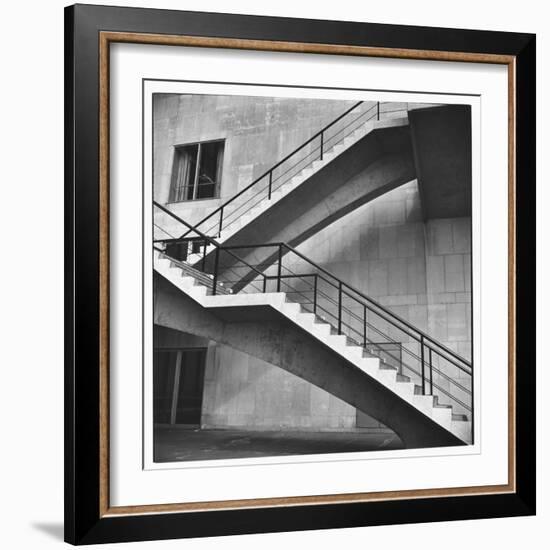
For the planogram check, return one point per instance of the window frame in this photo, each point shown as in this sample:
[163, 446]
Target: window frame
[175, 163]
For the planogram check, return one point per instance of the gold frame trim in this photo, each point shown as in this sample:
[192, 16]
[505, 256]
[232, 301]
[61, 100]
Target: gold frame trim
[105, 39]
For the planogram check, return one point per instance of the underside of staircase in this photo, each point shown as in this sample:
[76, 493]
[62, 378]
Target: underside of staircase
[275, 329]
[375, 159]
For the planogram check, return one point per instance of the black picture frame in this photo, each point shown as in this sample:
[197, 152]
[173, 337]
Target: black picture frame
[84, 522]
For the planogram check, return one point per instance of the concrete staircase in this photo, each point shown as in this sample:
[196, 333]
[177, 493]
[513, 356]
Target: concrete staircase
[252, 210]
[200, 278]
[197, 286]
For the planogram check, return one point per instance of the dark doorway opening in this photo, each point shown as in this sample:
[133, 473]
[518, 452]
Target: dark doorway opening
[178, 381]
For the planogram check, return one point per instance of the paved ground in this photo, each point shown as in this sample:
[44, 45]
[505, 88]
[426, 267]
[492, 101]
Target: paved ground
[180, 444]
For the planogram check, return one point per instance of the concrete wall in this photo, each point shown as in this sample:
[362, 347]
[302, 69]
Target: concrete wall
[243, 391]
[448, 263]
[258, 131]
[421, 271]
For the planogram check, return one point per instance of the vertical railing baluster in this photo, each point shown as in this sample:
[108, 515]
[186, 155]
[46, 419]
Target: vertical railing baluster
[203, 256]
[279, 268]
[378, 110]
[364, 325]
[187, 245]
[221, 221]
[400, 358]
[215, 278]
[322, 143]
[431, 372]
[265, 283]
[270, 185]
[422, 361]
[315, 294]
[339, 307]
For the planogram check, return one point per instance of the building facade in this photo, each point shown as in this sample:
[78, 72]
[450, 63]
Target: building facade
[418, 265]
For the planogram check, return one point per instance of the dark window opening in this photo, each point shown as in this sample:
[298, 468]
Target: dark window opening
[197, 171]
[181, 250]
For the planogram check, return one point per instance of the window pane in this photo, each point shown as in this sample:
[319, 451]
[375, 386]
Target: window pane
[206, 190]
[210, 169]
[187, 182]
[184, 176]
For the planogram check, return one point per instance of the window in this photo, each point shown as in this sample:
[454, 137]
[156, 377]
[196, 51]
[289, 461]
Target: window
[197, 171]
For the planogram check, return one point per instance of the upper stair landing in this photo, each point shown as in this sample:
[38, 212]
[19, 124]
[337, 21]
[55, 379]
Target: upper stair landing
[252, 209]
[293, 170]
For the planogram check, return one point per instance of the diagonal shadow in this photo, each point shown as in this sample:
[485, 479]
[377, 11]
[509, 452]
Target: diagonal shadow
[53, 529]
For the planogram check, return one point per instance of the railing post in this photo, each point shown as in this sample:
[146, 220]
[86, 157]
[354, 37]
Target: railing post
[279, 268]
[270, 184]
[400, 358]
[322, 143]
[221, 221]
[422, 361]
[378, 110]
[265, 282]
[203, 256]
[315, 294]
[340, 307]
[431, 372]
[215, 278]
[364, 325]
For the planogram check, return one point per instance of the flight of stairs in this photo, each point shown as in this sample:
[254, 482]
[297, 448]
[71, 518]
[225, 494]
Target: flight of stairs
[260, 206]
[192, 282]
[203, 279]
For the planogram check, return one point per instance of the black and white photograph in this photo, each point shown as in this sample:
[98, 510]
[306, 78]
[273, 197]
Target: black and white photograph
[312, 276]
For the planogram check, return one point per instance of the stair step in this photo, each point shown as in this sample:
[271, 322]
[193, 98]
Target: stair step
[340, 338]
[438, 404]
[462, 429]
[198, 290]
[385, 366]
[459, 417]
[322, 326]
[307, 318]
[199, 278]
[355, 351]
[402, 378]
[316, 164]
[443, 417]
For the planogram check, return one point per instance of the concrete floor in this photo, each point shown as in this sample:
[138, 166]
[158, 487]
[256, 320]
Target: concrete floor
[175, 444]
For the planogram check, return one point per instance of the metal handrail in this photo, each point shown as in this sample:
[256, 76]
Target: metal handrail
[205, 237]
[427, 344]
[388, 315]
[392, 316]
[276, 165]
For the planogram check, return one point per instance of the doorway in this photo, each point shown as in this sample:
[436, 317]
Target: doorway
[178, 382]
